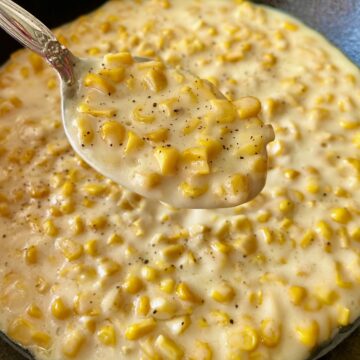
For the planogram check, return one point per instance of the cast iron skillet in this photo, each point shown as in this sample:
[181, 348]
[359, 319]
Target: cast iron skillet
[338, 20]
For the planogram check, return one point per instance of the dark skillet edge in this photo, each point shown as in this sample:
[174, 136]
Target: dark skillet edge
[24, 352]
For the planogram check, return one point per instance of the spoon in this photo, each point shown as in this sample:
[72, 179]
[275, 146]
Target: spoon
[229, 182]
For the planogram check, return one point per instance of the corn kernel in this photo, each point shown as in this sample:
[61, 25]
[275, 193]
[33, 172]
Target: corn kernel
[155, 80]
[41, 339]
[297, 294]
[70, 249]
[49, 228]
[20, 330]
[184, 293]
[270, 332]
[167, 158]
[140, 329]
[343, 316]
[73, 343]
[248, 107]
[31, 255]
[324, 230]
[34, 311]
[223, 111]
[142, 305]
[223, 293]
[91, 247]
[149, 273]
[59, 310]
[115, 239]
[139, 116]
[158, 135]
[116, 75]
[132, 284]
[308, 335]
[134, 143]
[112, 132]
[116, 60]
[192, 191]
[107, 335]
[245, 339]
[168, 348]
[167, 285]
[99, 83]
[341, 215]
[202, 351]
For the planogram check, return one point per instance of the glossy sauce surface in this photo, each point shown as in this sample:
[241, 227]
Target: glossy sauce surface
[89, 270]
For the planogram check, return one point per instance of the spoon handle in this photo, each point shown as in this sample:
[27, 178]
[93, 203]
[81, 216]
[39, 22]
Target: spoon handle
[33, 34]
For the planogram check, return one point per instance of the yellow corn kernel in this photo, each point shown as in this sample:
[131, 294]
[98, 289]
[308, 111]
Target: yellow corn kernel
[134, 142]
[67, 188]
[59, 310]
[31, 255]
[155, 80]
[185, 293]
[36, 61]
[192, 191]
[172, 252]
[339, 279]
[85, 133]
[91, 247]
[256, 298]
[325, 295]
[132, 284]
[41, 339]
[291, 174]
[270, 332]
[94, 189]
[70, 249]
[77, 225]
[99, 83]
[140, 329]
[343, 318]
[245, 339]
[107, 335]
[349, 124]
[239, 184]
[197, 156]
[324, 230]
[72, 344]
[167, 158]
[116, 60]
[49, 228]
[221, 247]
[115, 239]
[87, 109]
[20, 330]
[286, 206]
[179, 324]
[116, 75]
[191, 125]
[138, 116]
[158, 135]
[67, 206]
[142, 305]
[168, 348]
[93, 51]
[108, 267]
[287, 25]
[34, 311]
[307, 238]
[222, 111]
[167, 285]
[202, 351]
[356, 140]
[247, 107]
[223, 293]
[112, 132]
[297, 294]
[98, 222]
[169, 106]
[308, 335]
[149, 273]
[148, 180]
[341, 215]
[213, 146]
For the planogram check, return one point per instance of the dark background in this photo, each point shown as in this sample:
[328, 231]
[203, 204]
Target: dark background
[339, 20]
